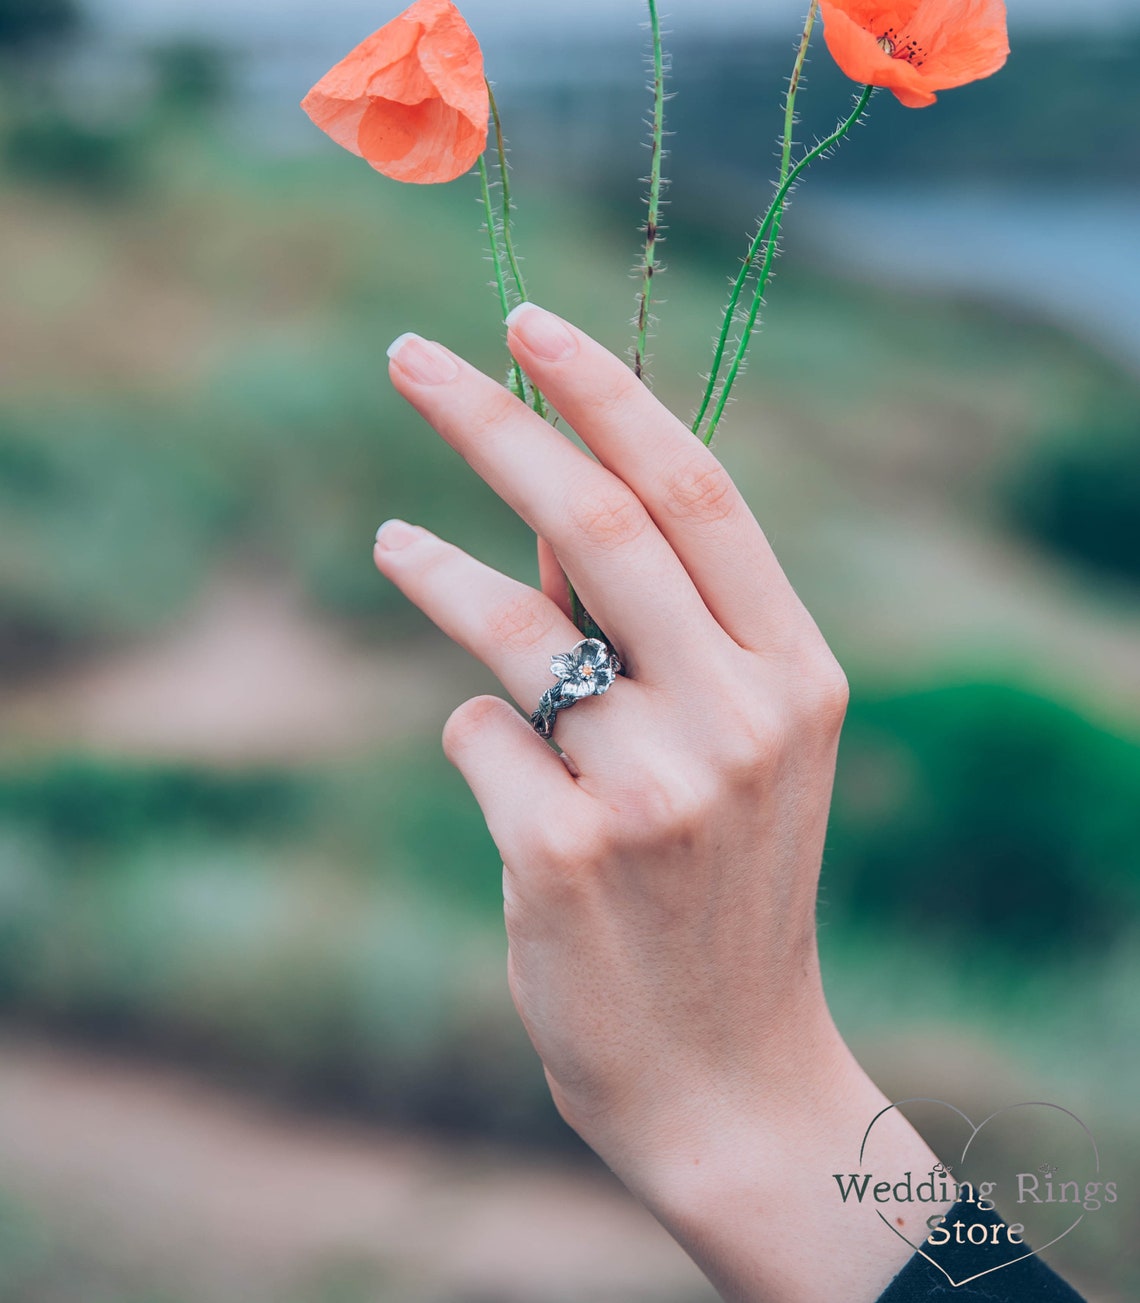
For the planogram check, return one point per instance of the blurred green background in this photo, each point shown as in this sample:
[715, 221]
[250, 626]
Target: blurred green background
[255, 1039]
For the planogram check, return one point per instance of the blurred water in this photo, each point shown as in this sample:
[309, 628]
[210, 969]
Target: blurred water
[339, 24]
[1068, 256]
[167, 15]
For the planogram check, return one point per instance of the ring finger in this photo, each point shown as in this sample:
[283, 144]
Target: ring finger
[514, 630]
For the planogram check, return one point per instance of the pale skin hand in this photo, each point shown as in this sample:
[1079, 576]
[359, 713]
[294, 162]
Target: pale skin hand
[660, 880]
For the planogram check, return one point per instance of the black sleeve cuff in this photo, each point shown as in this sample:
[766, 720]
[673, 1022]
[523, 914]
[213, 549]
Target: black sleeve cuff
[1028, 1280]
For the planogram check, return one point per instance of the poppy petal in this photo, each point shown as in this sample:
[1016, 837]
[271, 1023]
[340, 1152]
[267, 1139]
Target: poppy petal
[401, 78]
[964, 40]
[452, 60]
[878, 17]
[858, 52]
[914, 99]
[338, 119]
[424, 143]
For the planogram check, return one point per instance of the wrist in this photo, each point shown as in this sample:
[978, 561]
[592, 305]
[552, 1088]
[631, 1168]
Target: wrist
[685, 1107]
[751, 1193]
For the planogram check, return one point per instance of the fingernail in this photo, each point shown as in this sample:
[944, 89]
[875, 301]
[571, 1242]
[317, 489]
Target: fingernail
[542, 332]
[394, 534]
[421, 360]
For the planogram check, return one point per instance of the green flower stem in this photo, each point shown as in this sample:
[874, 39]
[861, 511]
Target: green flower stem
[793, 87]
[652, 225]
[773, 221]
[584, 621]
[508, 236]
[578, 612]
[497, 262]
[769, 219]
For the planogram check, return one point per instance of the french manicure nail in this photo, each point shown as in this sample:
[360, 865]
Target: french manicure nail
[542, 332]
[421, 360]
[394, 534]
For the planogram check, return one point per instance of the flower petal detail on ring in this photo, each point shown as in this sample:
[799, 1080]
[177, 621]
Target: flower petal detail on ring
[564, 665]
[594, 652]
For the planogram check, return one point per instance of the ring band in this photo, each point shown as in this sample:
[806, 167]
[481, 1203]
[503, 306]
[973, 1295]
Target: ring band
[586, 670]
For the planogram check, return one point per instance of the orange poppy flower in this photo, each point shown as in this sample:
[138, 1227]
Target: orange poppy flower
[411, 99]
[915, 47]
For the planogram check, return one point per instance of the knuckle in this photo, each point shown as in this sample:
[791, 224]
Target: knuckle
[836, 694]
[571, 853]
[486, 416]
[672, 804]
[467, 722]
[824, 690]
[699, 489]
[751, 743]
[612, 391]
[521, 623]
[609, 518]
[753, 750]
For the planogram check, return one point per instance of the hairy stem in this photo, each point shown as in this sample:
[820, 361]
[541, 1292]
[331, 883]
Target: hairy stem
[773, 220]
[507, 232]
[652, 223]
[769, 219]
[517, 383]
[793, 88]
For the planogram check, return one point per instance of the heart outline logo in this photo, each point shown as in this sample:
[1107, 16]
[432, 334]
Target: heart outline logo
[974, 1130]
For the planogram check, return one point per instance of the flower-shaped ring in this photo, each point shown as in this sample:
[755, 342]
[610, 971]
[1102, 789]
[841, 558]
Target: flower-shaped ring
[587, 670]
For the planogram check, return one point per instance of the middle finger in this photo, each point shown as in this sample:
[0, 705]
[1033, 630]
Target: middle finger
[613, 553]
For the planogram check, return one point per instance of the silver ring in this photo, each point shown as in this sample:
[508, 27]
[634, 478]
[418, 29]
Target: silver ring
[586, 670]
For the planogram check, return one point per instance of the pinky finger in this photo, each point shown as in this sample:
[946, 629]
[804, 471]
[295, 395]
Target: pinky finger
[511, 771]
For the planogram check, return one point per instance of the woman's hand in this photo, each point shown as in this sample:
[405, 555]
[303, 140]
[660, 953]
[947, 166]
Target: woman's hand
[660, 876]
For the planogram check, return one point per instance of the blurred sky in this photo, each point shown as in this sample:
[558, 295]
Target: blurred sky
[152, 16]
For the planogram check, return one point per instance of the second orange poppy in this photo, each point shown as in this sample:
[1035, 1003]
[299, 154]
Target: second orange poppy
[916, 47]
